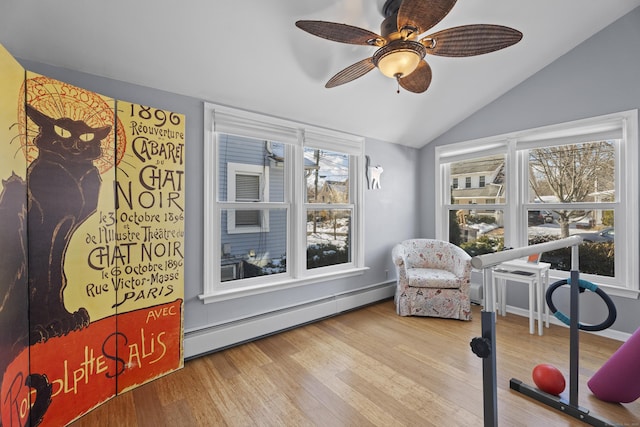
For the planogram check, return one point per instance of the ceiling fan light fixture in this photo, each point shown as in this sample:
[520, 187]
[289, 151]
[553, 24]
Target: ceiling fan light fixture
[401, 52]
[399, 58]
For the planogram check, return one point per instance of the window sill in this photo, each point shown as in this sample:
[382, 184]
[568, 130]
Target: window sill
[616, 291]
[241, 292]
[611, 290]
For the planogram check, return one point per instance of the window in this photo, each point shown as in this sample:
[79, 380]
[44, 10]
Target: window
[247, 183]
[455, 182]
[481, 183]
[467, 182]
[282, 204]
[547, 183]
[327, 208]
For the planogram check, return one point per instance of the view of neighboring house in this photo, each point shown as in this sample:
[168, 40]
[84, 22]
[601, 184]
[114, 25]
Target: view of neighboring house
[333, 192]
[478, 182]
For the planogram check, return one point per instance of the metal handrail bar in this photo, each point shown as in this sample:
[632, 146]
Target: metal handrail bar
[488, 260]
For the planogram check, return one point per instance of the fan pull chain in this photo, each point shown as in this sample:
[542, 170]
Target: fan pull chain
[398, 81]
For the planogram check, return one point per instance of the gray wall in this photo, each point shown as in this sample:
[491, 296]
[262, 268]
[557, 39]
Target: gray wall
[600, 76]
[390, 212]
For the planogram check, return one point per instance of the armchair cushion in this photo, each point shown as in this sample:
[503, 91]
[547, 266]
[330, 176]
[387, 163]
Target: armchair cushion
[432, 278]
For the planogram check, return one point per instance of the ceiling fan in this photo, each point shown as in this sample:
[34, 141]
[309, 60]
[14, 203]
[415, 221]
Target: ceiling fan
[400, 52]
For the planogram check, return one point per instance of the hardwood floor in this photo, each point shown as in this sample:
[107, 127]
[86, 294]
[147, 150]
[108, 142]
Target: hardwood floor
[363, 368]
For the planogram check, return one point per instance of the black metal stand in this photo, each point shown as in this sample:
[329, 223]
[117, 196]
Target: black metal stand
[570, 407]
[558, 403]
[489, 371]
[485, 346]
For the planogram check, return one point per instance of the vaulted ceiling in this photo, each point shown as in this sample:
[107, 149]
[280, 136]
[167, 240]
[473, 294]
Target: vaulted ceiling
[249, 54]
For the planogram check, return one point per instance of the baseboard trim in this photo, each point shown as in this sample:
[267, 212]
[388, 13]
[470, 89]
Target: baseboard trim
[220, 336]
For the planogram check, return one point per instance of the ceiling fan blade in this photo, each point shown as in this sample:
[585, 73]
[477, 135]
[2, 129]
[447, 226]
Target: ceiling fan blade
[423, 14]
[470, 40]
[350, 73]
[419, 80]
[342, 33]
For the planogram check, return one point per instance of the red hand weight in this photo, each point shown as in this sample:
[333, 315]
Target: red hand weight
[548, 378]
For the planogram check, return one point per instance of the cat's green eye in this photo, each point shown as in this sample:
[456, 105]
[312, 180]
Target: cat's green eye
[62, 131]
[86, 137]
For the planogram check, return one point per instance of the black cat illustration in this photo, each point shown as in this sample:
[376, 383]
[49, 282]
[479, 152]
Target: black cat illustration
[61, 188]
[14, 294]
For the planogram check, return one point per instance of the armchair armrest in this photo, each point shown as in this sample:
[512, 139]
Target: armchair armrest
[461, 262]
[398, 254]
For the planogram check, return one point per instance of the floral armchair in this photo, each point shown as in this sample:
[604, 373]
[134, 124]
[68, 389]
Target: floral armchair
[433, 279]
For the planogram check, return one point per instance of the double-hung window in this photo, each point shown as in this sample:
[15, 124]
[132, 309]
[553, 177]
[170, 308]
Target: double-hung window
[577, 178]
[283, 204]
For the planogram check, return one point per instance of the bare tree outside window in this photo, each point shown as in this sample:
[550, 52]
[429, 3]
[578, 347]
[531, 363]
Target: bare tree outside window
[575, 173]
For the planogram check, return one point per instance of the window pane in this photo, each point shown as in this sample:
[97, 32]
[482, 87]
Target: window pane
[247, 217]
[254, 254]
[484, 180]
[572, 173]
[477, 231]
[596, 228]
[247, 188]
[257, 156]
[567, 222]
[328, 237]
[327, 176]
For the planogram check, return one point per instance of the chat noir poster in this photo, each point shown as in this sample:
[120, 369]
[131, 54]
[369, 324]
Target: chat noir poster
[93, 190]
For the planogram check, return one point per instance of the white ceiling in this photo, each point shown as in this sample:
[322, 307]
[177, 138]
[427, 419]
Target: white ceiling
[249, 54]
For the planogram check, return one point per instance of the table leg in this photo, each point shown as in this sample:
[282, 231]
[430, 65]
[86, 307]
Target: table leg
[544, 292]
[532, 303]
[503, 297]
[539, 302]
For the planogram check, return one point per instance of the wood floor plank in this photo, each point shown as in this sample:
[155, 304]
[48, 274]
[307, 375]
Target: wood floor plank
[120, 410]
[368, 367]
[179, 413]
[319, 402]
[221, 393]
[382, 368]
[148, 412]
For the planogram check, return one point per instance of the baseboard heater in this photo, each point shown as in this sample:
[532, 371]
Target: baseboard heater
[218, 337]
[475, 293]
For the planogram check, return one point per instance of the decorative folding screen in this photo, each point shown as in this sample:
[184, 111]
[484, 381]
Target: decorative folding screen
[92, 237]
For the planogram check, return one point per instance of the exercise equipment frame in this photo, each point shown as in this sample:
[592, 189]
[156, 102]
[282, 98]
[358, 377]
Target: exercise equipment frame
[485, 346]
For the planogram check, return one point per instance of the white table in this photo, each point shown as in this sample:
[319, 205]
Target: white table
[532, 274]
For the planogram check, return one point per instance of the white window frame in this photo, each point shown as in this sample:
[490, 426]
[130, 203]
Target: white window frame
[235, 169]
[515, 146]
[225, 120]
